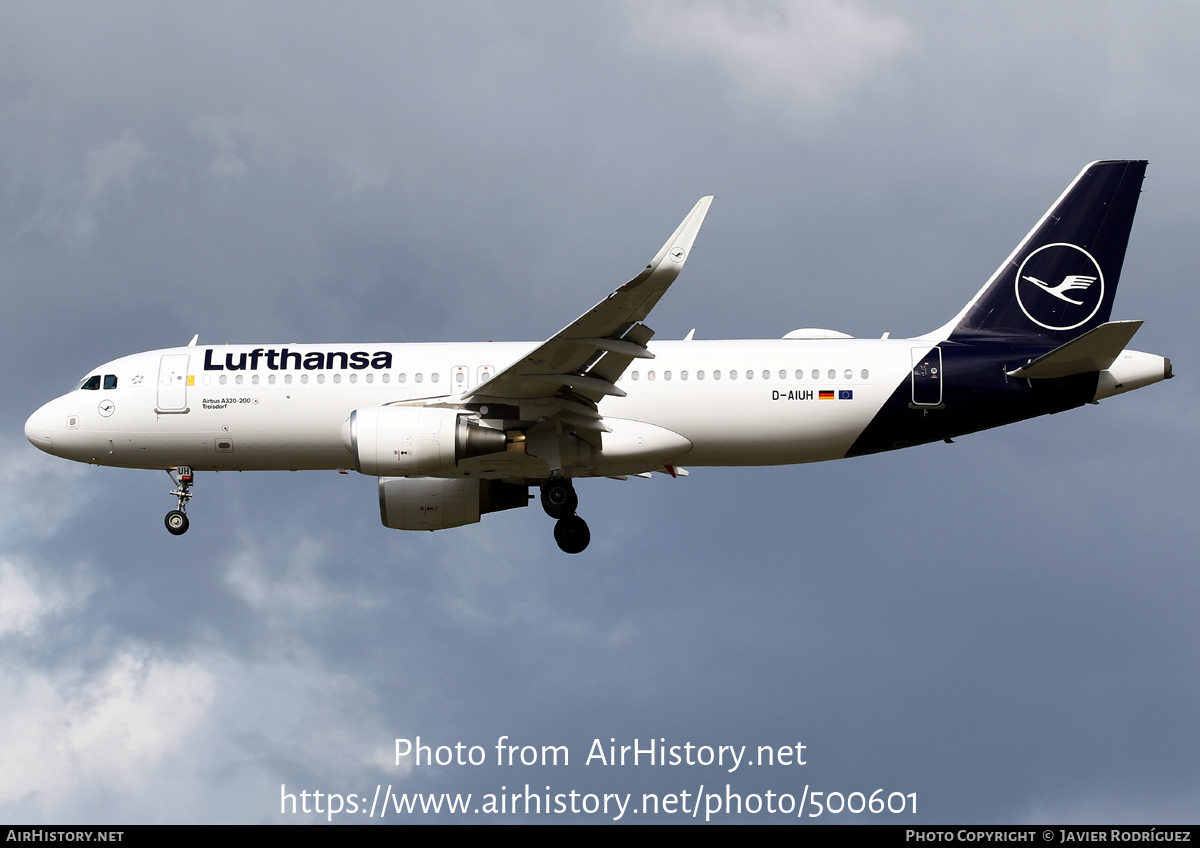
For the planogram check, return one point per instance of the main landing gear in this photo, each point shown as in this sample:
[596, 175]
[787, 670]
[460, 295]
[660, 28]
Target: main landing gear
[560, 501]
[177, 520]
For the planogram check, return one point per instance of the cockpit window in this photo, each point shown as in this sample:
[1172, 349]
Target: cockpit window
[91, 383]
[110, 381]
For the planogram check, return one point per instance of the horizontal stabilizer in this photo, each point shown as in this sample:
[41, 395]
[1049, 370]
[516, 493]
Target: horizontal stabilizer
[1095, 350]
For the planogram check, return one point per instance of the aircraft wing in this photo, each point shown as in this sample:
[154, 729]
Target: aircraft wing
[566, 375]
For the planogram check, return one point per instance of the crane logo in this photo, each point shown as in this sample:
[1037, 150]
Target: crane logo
[1060, 286]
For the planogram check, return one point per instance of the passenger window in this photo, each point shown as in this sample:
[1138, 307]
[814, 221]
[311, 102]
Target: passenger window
[633, 375]
[732, 374]
[799, 374]
[419, 377]
[400, 378]
[110, 381]
[304, 379]
[320, 378]
[649, 375]
[433, 378]
[849, 374]
[271, 379]
[287, 378]
[865, 373]
[353, 378]
[699, 375]
[716, 375]
[337, 378]
[783, 374]
[682, 375]
[91, 384]
[387, 377]
[816, 374]
[222, 379]
[749, 374]
[832, 374]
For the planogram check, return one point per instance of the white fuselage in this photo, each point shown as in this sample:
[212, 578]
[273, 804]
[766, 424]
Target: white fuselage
[697, 403]
[735, 402]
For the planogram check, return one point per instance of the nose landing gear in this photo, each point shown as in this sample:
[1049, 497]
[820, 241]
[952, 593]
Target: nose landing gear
[177, 520]
[560, 501]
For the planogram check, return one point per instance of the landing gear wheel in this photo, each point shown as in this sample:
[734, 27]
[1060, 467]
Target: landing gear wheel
[572, 534]
[177, 522]
[559, 498]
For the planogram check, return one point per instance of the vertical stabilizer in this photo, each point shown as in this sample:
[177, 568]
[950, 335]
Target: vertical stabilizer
[1060, 281]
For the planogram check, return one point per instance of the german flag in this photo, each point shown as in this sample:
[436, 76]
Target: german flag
[826, 395]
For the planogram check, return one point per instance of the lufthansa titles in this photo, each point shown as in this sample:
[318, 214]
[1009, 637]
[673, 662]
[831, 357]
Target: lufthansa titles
[285, 359]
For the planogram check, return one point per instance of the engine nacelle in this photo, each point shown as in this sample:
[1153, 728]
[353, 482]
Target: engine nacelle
[434, 503]
[411, 441]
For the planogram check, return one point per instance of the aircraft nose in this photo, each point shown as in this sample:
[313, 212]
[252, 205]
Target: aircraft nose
[37, 430]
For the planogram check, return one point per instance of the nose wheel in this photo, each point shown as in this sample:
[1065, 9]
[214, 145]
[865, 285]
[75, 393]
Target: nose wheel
[177, 520]
[560, 501]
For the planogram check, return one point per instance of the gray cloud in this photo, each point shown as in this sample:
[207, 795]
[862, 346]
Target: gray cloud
[1002, 625]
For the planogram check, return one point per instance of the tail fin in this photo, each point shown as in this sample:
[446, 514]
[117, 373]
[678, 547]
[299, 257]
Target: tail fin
[1060, 281]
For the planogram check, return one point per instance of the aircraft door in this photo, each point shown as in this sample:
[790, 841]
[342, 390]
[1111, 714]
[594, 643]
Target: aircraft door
[927, 377]
[172, 383]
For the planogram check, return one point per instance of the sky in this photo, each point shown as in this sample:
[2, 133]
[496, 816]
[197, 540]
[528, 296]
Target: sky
[1003, 628]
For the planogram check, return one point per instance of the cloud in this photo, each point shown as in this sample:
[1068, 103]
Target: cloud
[421, 171]
[26, 600]
[279, 577]
[74, 202]
[38, 495]
[62, 735]
[805, 52]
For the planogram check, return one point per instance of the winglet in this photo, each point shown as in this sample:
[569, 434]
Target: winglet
[640, 294]
[668, 262]
[679, 245]
[611, 328]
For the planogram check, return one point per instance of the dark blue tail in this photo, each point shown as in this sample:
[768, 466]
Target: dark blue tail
[1060, 281]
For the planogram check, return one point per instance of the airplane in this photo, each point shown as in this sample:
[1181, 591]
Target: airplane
[456, 431]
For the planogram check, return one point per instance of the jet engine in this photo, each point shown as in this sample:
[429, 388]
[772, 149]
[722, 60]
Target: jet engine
[434, 503]
[413, 441]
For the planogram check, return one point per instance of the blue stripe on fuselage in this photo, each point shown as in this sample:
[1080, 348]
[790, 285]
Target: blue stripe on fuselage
[977, 394]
